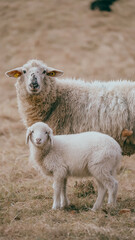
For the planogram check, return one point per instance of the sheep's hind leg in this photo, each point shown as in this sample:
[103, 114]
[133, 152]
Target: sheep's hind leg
[64, 200]
[101, 194]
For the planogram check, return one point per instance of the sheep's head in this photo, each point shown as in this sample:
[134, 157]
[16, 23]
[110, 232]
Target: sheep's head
[34, 74]
[39, 134]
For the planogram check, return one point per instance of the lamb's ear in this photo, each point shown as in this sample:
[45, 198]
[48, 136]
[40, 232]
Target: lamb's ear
[28, 133]
[15, 73]
[50, 135]
[52, 72]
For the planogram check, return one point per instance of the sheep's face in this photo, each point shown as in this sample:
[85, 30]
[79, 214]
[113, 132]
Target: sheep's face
[33, 74]
[39, 134]
[33, 78]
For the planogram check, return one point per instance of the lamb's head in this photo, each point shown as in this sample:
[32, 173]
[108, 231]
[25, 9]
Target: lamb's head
[40, 134]
[34, 75]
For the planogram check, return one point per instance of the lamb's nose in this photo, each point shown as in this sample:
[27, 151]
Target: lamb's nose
[38, 140]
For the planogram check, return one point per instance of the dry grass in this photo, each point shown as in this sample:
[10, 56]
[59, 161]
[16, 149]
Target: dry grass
[93, 45]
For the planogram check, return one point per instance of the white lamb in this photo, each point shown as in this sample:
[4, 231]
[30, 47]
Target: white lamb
[79, 155]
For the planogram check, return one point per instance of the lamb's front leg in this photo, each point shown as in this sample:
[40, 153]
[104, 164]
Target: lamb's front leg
[60, 180]
[64, 200]
[57, 191]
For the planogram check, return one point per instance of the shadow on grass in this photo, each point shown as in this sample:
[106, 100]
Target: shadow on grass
[77, 209]
[125, 206]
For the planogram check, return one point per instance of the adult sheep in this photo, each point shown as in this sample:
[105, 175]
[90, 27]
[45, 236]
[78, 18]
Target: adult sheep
[74, 106]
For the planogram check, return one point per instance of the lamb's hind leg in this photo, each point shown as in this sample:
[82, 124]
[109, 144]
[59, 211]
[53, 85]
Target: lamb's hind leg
[101, 195]
[112, 186]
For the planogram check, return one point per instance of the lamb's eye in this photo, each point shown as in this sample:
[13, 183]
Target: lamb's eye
[44, 72]
[46, 132]
[24, 71]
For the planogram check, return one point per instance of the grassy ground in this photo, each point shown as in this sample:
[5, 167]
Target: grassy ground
[91, 45]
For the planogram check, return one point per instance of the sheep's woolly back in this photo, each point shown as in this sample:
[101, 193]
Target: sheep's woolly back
[73, 106]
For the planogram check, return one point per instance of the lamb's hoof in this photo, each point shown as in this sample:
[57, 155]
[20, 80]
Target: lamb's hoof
[111, 206]
[65, 204]
[93, 209]
[54, 207]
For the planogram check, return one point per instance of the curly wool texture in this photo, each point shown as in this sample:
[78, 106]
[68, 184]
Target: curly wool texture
[74, 106]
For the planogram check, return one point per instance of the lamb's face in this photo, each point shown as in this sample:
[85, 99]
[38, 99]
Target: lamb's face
[34, 75]
[39, 134]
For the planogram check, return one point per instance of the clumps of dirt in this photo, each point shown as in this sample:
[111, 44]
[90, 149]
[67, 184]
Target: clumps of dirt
[84, 188]
[125, 206]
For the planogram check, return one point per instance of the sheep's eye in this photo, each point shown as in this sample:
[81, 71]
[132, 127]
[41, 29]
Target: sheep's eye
[24, 71]
[51, 74]
[44, 72]
[46, 132]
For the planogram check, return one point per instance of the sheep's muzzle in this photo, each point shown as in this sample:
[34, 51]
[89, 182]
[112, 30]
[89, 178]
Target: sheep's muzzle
[34, 86]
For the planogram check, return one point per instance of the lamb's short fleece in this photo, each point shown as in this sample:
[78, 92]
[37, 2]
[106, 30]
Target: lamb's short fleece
[79, 155]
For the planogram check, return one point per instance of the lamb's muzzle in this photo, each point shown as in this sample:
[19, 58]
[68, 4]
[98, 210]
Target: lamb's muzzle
[38, 140]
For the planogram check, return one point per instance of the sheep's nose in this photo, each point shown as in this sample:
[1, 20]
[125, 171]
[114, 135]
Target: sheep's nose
[34, 84]
[38, 140]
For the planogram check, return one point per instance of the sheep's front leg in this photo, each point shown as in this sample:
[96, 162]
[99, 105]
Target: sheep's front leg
[64, 201]
[57, 191]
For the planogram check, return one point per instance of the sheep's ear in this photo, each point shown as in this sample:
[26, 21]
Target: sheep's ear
[28, 133]
[52, 72]
[15, 73]
[50, 135]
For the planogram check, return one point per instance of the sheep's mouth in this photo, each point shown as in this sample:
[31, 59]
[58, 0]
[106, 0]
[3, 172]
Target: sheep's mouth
[34, 90]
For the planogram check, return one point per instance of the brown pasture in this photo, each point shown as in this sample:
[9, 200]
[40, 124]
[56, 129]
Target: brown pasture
[88, 44]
